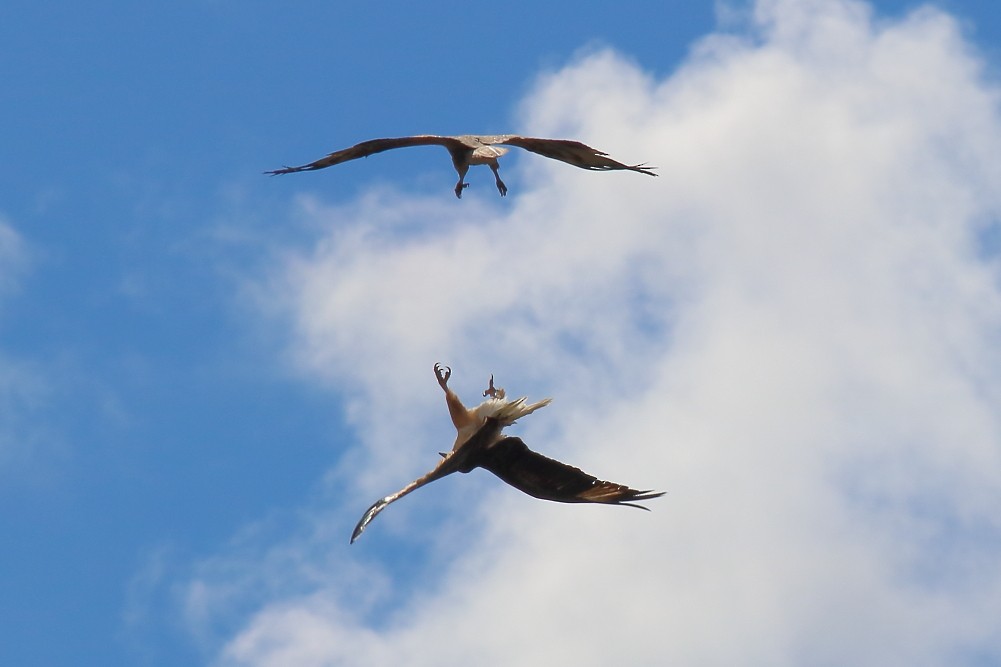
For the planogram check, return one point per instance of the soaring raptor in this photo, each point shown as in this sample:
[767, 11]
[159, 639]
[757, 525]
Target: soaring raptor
[469, 149]
[480, 444]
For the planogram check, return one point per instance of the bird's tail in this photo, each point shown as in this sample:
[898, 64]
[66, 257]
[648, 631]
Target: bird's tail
[516, 409]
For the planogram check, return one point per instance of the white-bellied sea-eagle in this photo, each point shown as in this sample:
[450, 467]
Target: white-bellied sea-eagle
[479, 443]
[469, 149]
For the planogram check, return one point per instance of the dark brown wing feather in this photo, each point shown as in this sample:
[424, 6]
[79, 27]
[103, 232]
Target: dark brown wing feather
[566, 150]
[542, 477]
[371, 147]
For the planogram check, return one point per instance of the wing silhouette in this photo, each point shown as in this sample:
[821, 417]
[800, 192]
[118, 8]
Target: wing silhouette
[569, 151]
[371, 147]
[542, 477]
[448, 465]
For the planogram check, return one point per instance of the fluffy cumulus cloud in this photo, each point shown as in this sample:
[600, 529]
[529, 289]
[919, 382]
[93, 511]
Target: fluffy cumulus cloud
[794, 330]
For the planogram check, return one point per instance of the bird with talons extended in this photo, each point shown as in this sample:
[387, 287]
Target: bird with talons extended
[468, 149]
[479, 443]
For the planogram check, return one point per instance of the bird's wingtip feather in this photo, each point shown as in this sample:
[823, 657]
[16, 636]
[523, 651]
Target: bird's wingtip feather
[367, 518]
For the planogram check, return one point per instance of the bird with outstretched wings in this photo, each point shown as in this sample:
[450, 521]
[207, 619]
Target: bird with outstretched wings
[469, 149]
[479, 444]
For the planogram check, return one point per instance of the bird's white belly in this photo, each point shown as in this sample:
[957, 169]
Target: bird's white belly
[486, 154]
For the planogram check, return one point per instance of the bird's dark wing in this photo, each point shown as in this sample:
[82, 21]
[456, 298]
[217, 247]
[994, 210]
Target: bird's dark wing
[565, 150]
[542, 477]
[371, 147]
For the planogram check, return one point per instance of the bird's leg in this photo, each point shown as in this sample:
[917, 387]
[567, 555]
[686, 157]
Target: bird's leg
[492, 391]
[457, 412]
[501, 188]
[461, 167]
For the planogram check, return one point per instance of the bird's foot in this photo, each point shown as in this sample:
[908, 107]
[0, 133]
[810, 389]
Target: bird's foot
[492, 391]
[442, 373]
[501, 188]
[459, 187]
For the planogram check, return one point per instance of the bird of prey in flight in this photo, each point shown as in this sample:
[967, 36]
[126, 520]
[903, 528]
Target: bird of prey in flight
[479, 443]
[468, 149]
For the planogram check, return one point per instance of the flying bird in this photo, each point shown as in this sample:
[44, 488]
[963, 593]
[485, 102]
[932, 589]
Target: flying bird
[479, 443]
[469, 149]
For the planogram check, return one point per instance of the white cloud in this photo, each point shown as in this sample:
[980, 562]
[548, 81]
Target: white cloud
[793, 330]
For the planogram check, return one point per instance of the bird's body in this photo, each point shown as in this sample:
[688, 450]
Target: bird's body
[479, 444]
[469, 149]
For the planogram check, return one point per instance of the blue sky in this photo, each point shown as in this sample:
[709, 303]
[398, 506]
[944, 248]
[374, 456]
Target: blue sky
[206, 375]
